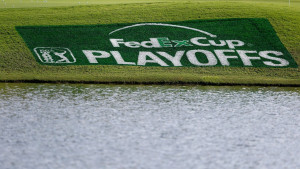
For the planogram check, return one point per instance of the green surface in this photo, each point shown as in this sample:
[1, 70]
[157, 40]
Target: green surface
[225, 42]
[17, 62]
[54, 3]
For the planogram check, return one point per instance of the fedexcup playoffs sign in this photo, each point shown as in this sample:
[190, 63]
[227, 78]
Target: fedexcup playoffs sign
[229, 42]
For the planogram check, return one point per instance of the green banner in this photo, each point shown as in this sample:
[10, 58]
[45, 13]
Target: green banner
[199, 43]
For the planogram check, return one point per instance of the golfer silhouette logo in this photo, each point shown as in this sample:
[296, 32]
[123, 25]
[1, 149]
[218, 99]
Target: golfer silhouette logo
[55, 55]
[63, 58]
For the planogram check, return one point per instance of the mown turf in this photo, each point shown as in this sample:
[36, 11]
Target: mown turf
[52, 3]
[18, 64]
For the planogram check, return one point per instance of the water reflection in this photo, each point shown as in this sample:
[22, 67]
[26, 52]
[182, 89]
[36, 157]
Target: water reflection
[121, 126]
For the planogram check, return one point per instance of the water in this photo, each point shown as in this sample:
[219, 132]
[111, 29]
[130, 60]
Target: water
[153, 127]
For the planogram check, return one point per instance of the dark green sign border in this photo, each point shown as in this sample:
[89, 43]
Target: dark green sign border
[248, 42]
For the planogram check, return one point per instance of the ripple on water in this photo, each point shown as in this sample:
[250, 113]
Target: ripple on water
[120, 126]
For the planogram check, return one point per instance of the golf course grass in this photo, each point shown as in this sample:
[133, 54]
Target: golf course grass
[17, 64]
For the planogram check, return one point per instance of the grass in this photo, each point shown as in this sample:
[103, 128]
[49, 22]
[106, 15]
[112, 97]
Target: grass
[18, 64]
[54, 3]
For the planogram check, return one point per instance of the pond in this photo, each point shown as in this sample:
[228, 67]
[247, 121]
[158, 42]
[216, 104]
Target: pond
[136, 126]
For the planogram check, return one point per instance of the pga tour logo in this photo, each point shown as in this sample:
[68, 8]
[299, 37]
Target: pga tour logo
[54, 55]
